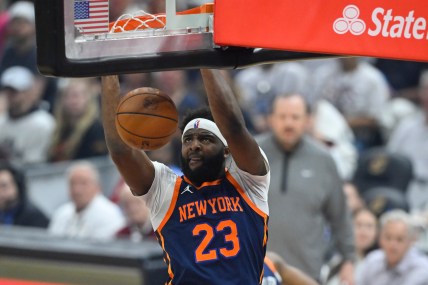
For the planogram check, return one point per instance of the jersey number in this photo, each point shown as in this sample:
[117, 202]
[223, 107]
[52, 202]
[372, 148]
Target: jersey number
[231, 237]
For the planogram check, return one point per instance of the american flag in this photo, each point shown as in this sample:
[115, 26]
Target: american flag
[91, 16]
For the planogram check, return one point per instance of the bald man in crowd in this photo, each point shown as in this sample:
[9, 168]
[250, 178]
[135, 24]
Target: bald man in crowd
[89, 215]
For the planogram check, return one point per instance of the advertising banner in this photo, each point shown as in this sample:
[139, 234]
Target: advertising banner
[393, 29]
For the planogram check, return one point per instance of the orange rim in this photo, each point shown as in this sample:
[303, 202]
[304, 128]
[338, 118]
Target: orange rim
[131, 24]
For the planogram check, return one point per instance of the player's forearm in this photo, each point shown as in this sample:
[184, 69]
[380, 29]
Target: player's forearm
[228, 117]
[109, 101]
[222, 101]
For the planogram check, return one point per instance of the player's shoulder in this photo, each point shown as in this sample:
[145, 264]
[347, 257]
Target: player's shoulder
[163, 168]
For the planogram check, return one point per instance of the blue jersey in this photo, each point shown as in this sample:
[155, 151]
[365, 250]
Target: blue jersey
[213, 234]
[270, 276]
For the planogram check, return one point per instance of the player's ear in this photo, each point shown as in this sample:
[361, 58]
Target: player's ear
[226, 152]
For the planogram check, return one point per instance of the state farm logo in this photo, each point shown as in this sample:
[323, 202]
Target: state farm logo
[350, 22]
[383, 23]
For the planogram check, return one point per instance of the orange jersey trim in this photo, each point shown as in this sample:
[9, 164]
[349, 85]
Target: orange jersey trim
[210, 183]
[165, 219]
[250, 203]
[244, 195]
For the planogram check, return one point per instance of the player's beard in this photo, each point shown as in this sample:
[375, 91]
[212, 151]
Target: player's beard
[211, 169]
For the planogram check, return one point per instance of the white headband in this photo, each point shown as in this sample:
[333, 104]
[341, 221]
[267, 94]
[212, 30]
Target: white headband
[200, 123]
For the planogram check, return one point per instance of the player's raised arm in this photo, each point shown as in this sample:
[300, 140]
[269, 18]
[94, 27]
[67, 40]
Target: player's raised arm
[228, 117]
[134, 165]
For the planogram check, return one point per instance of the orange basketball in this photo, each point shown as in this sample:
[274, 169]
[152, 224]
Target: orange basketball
[146, 118]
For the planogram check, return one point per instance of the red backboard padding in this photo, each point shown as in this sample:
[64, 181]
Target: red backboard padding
[379, 28]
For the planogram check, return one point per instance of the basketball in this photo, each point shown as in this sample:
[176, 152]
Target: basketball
[146, 118]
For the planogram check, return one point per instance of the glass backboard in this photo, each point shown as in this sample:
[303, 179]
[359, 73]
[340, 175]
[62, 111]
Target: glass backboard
[80, 38]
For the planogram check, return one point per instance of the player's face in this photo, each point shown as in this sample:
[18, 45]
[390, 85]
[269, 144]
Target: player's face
[395, 240]
[289, 120]
[202, 156]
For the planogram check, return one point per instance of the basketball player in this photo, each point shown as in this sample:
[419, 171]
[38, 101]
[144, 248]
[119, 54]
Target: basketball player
[212, 221]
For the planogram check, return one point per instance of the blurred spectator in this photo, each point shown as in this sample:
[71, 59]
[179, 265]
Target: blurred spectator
[89, 214]
[379, 167]
[397, 262]
[137, 215]
[402, 75]
[246, 112]
[20, 49]
[133, 81]
[366, 233]
[358, 90]
[396, 110]
[15, 208]
[174, 83]
[331, 128]
[353, 198]
[26, 130]
[306, 193]
[410, 139]
[4, 19]
[21, 39]
[420, 219]
[3, 106]
[79, 132]
[383, 199]
[259, 84]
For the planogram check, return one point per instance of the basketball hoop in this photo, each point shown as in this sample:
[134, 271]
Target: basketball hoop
[141, 20]
[195, 19]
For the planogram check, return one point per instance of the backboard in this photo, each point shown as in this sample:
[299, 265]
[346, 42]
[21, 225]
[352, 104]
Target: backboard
[80, 38]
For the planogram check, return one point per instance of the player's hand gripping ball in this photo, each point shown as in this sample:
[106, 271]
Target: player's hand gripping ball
[146, 118]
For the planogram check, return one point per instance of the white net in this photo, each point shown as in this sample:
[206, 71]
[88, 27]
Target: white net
[137, 21]
[195, 20]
